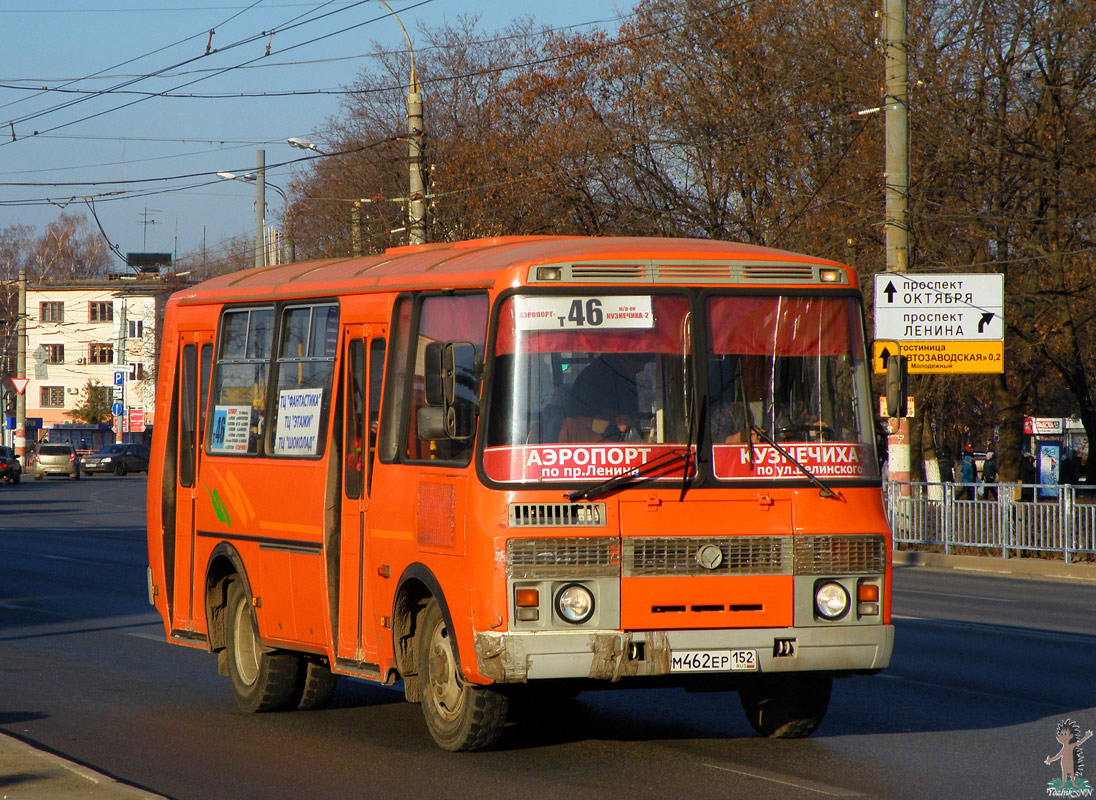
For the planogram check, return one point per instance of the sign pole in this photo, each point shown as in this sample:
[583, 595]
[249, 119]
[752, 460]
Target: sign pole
[20, 442]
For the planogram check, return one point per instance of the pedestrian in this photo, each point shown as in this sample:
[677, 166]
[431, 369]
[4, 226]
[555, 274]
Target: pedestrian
[947, 465]
[968, 474]
[1028, 476]
[989, 476]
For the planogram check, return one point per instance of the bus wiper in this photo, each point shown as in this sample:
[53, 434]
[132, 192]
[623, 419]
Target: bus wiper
[823, 489]
[692, 445]
[598, 489]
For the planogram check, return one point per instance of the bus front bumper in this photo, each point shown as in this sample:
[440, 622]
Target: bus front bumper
[612, 655]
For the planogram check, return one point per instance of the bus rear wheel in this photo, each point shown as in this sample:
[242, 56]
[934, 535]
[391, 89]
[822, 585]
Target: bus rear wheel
[260, 680]
[459, 715]
[315, 686]
[786, 706]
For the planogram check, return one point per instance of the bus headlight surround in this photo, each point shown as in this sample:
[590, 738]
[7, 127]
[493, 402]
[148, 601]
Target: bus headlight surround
[831, 600]
[575, 603]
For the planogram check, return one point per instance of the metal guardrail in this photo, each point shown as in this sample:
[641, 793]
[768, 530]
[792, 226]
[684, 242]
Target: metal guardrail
[999, 516]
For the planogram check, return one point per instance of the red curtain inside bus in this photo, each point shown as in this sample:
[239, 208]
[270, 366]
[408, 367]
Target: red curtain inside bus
[784, 326]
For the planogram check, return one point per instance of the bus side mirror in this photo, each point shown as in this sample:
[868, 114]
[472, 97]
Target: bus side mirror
[450, 387]
[898, 389]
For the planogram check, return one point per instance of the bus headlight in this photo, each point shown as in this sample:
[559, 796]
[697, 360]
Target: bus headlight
[575, 603]
[831, 600]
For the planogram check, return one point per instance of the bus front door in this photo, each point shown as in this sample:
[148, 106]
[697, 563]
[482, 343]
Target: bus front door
[195, 360]
[363, 360]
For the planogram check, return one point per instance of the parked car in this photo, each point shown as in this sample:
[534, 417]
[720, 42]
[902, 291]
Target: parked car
[10, 468]
[119, 459]
[56, 459]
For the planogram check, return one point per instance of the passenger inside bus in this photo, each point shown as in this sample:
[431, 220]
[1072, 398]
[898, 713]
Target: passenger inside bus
[603, 403]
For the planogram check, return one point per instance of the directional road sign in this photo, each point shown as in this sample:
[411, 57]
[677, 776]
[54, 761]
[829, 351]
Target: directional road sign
[116, 409]
[952, 357]
[931, 307]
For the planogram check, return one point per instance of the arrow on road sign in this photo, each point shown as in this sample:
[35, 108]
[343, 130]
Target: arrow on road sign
[890, 291]
[987, 317]
[20, 384]
[884, 354]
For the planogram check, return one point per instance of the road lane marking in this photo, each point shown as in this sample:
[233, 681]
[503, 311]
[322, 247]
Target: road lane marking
[948, 594]
[811, 786]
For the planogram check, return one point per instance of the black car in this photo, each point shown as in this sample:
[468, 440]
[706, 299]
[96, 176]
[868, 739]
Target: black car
[119, 459]
[11, 471]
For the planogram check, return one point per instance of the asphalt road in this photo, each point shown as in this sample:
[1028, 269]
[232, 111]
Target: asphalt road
[984, 668]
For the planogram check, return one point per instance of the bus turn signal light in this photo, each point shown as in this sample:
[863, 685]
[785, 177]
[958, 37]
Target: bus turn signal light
[867, 593]
[527, 598]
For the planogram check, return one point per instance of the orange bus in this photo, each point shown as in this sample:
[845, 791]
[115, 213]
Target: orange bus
[523, 465]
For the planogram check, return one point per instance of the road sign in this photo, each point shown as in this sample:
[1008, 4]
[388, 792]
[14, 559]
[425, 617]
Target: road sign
[116, 409]
[20, 384]
[931, 307]
[952, 357]
[119, 377]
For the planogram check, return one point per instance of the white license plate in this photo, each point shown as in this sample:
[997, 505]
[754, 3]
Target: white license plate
[712, 660]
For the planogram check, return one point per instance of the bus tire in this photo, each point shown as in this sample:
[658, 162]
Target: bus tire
[315, 685]
[459, 715]
[786, 706]
[260, 680]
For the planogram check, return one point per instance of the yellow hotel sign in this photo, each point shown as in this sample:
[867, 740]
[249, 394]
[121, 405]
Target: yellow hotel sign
[948, 356]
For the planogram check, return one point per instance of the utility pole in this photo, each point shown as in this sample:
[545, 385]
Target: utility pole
[416, 194]
[896, 103]
[21, 369]
[260, 208]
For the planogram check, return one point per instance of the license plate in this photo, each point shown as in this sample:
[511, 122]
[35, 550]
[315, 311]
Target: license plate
[712, 660]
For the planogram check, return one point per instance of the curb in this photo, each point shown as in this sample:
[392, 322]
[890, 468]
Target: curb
[58, 777]
[1011, 567]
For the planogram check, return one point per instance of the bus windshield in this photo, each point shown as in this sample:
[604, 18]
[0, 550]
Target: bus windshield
[588, 387]
[796, 372]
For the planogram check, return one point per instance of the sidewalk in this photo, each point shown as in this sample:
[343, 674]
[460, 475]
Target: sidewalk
[27, 773]
[1040, 568]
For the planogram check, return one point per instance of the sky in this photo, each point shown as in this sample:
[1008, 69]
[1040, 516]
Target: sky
[67, 144]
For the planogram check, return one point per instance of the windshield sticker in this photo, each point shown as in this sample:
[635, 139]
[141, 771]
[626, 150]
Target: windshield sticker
[231, 425]
[583, 462]
[836, 460]
[298, 431]
[544, 313]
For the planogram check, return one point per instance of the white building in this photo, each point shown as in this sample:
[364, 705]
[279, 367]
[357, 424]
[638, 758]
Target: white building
[98, 330]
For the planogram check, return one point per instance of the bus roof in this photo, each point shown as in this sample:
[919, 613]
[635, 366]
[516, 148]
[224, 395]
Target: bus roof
[482, 263]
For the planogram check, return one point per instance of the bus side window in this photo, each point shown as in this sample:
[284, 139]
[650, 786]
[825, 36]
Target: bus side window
[376, 376]
[353, 429]
[187, 433]
[240, 377]
[396, 386]
[446, 318]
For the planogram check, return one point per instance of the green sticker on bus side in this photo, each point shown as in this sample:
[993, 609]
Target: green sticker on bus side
[218, 506]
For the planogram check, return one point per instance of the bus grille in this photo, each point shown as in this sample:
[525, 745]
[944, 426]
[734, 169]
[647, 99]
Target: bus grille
[738, 555]
[557, 515]
[562, 558]
[839, 555]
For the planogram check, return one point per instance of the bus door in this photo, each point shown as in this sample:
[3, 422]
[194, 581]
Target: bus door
[195, 360]
[363, 357]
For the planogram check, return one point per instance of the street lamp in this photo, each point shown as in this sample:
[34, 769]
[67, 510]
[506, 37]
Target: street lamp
[416, 194]
[258, 178]
[304, 144]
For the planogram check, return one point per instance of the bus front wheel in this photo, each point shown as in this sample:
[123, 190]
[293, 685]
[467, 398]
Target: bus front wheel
[261, 680]
[459, 715]
[786, 706]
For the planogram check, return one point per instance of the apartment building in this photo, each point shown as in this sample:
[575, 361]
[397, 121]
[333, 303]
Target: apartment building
[102, 330]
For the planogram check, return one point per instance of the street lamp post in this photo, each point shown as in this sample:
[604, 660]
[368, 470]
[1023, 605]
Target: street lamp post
[416, 192]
